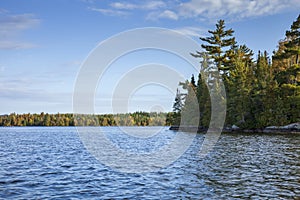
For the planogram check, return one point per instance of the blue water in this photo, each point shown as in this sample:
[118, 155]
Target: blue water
[52, 163]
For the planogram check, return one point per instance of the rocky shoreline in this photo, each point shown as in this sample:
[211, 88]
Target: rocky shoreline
[291, 128]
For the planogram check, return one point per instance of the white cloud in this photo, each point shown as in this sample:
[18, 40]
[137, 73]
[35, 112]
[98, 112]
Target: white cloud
[151, 5]
[192, 31]
[200, 9]
[13, 25]
[168, 14]
[236, 9]
[10, 24]
[125, 6]
[110, 12]
[154, 5]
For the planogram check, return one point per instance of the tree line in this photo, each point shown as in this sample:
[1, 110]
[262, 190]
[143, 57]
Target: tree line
[129, 119]
[259, 92]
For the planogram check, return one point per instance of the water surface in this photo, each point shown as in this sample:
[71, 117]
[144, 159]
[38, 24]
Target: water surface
[52, 163]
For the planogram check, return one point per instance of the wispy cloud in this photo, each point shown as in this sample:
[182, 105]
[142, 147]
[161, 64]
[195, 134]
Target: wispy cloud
[192, 31]
[124, 6]
[32, 93]
[169, 15]
[11, 26]
[166, 14]
[14, 23]
[237, 9]
[201, 9]
[110, 12]
[127, 8]
[16, 45]
[150, 5]
[34, 100]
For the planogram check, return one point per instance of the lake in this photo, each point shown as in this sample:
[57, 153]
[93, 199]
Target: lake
[53, 163]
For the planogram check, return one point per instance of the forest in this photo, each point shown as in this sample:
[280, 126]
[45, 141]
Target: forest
[260, 92]
[129, 119]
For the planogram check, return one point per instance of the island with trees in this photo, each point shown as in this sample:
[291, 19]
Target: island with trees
[262, 92]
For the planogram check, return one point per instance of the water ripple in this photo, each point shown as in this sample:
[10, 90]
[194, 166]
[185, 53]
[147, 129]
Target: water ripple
[52, 163]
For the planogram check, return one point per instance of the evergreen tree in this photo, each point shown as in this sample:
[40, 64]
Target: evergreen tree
[220, 46]
[239, 86]
[202, 91]
[287, 74]
[291, 44]
[263, 88]
[190, 109]
[177, 106]
[193, 82]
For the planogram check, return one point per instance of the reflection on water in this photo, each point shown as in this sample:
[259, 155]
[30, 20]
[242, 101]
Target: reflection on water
[40, 162]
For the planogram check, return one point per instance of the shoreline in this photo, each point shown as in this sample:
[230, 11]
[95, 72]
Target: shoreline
[200, 129]
[231, 130]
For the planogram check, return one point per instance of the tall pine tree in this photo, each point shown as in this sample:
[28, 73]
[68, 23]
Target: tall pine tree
[220, 45]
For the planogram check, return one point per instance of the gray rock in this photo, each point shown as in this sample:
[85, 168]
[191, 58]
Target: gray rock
[292, 126]
[235, 127]
[286, 127]
[272, 127]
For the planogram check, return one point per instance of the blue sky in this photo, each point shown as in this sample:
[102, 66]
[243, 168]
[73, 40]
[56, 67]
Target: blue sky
[44, 42]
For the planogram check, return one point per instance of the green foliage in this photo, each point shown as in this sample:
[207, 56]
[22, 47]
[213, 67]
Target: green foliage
[173, 118]
[239, 86]
[177, 106]
[220, 45]
[290, 49]
[189, 112]
[259, 93]
[128, 119]
[202, 91]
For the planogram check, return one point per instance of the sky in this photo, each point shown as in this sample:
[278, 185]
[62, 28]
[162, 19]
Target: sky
[44, 43]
